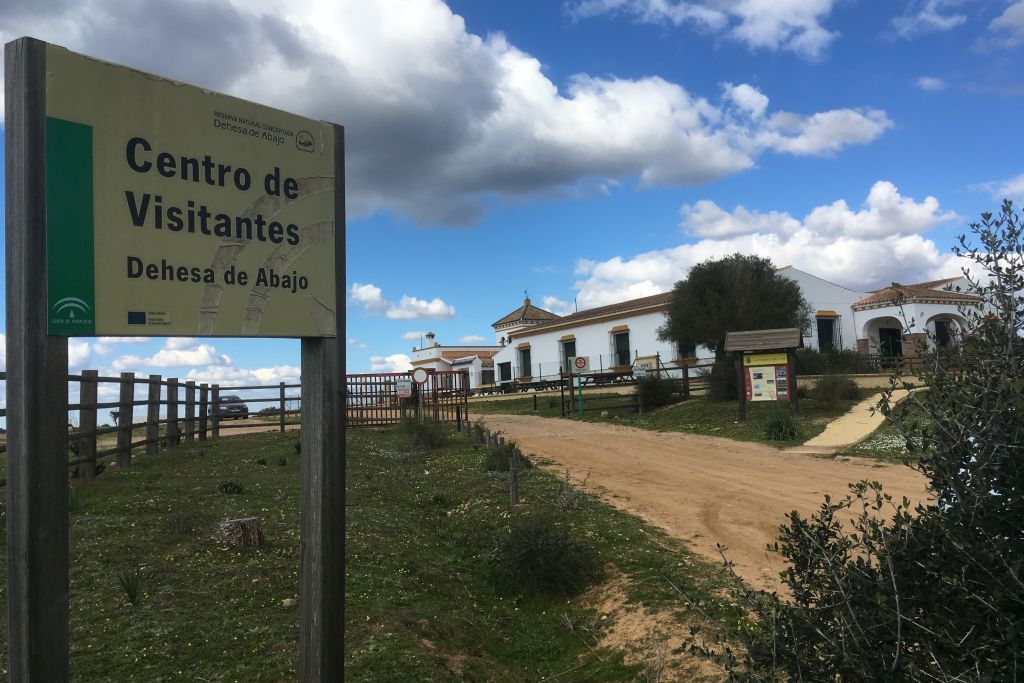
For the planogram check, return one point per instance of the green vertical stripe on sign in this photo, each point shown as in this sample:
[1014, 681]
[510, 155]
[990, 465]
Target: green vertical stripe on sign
[70, 264]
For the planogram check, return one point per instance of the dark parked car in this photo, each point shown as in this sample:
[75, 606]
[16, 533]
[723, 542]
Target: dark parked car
[231, 407]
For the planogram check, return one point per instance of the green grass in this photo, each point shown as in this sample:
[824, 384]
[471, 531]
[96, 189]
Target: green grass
[886, 442]
[696, 416]
[426, 594]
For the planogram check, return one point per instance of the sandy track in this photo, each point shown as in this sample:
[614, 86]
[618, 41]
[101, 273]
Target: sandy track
[704, 490]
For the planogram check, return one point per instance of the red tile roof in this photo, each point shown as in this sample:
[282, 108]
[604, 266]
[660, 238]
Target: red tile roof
[920, 292]
[527, 312]
[610, 309]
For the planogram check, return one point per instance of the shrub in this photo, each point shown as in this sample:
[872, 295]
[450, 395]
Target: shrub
[282, 461]
[428, 433]
[831, 389]
[230, 488]
[543, 555]
[814, 362]
[131, 583]
[932, 591]
[780, 426]
[655, 391]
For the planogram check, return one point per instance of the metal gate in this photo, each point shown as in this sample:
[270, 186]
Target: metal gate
[374, 400]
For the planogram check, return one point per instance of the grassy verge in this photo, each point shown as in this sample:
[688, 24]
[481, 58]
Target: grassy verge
[428, 596]
[886, 442]
[696, 416]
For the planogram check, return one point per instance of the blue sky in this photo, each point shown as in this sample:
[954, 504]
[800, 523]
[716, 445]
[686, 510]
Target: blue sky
[592, 150]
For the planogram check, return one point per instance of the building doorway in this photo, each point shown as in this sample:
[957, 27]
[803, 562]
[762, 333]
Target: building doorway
[890, 342]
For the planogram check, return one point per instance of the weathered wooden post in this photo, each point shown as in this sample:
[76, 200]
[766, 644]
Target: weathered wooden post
[125, 419]
[37, 391]
[686, 381]
[153, 415]
[87, 389]
[458, 418]
[172, 412]
[204, 410]
[740, 387]
[215, 410]
[282, 407]
[513, 476]
[190, 411]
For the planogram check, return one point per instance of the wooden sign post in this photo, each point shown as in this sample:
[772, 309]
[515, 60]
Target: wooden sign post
[54, 290]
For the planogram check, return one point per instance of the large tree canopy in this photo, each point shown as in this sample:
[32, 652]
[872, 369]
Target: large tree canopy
[733, 293]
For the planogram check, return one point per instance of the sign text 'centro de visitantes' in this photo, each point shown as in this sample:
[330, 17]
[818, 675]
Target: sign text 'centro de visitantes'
[173, 210]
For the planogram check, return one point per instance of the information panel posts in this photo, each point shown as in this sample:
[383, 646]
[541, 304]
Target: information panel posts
[765, 365]
[141, 206]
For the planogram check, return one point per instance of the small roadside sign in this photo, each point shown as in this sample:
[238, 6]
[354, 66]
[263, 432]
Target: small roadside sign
[403, 387]
[580, 363]
[640, 371]
[420, 375]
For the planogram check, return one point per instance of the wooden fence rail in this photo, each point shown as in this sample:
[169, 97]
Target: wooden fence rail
[180, 401]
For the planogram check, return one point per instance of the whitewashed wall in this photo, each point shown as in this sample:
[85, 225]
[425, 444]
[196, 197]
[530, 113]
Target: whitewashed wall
[823, 295]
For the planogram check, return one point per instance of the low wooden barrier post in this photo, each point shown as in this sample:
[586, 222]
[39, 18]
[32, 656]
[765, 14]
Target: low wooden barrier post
[215, 410]
[190, 411]
[282, 406]
[153, 416]
[87, 389]
[203, 410]
[172, 412]
[125, 417]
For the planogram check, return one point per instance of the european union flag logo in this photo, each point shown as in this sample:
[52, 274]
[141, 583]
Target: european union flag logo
[136, 317]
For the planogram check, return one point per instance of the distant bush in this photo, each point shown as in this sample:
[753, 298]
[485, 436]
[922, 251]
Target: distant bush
[655, 391]
[831, 389]
[780, 426]
[543, 555]
[230, 488]
[428, 433]
[497, 459]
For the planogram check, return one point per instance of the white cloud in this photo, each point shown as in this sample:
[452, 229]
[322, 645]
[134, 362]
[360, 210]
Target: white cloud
[471, 339]
[794, 25]
[930, 83]
[411, 308]
[240, 376]
[397, 362]
[369, 297]
[927, 16]
[863, 250]
[79, 355]
[747, 97]
[415, 335]
[356, 344]
[1009, 26]
[557, 306]
[706, 219]
[1011, 188]
[438, 119]
[176, 352]
[123, 340]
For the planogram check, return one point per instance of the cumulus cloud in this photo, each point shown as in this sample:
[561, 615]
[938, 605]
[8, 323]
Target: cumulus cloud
[415, 335]
[1011, 188]
[176, 352]
[471, 339]
[927, 16]
[240, 376]
[864, 249]
[930, 83]
[1009, 26]
[411, 308]
[438, 118]
[795, 25]
[356, 344]
[369, 297]
[408, 307]
[396, 362]
[79, 355]
[557, 306]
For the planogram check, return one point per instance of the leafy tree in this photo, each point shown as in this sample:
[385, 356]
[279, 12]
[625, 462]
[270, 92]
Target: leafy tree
[733, 293]
[932, 591]
[737, 292]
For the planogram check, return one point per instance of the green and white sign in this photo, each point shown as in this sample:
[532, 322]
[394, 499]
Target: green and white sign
[173, 210]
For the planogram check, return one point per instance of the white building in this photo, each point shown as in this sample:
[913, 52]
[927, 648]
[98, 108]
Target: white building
[476, 360]
[535, 344]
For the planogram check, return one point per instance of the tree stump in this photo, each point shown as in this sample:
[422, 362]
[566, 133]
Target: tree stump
[244, 532]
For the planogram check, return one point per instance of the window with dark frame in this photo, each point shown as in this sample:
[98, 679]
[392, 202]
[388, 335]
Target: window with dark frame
[568, 351]
[829, 334]
[524, 363]
[686, 350]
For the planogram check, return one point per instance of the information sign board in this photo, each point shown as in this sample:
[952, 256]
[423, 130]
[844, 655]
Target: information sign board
[173, 210]
[403, 387]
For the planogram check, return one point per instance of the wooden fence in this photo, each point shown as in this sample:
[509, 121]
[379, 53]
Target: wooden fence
[192, 411]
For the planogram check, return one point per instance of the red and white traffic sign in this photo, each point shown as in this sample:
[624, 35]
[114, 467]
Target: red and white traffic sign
[581, 363]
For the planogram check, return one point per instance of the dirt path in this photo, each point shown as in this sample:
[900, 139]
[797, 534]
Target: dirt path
[704, 490]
